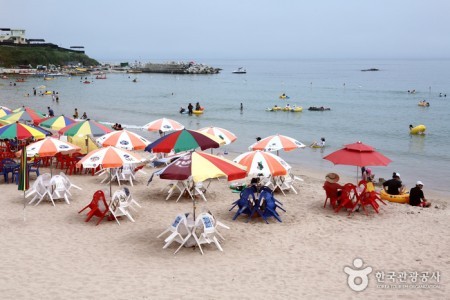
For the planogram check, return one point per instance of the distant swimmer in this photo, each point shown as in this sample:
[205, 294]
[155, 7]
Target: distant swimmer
[135, 80]
[320, 144]
[182, 110]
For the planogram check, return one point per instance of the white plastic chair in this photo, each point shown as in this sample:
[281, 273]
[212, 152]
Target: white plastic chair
[208, 235]
[45, 177]
[60, 190]
[177, 229]
[68, 183]
[41, 192]
[198, 190]
[126, 174]
[119, 206]
[286, 183]
[130, 200]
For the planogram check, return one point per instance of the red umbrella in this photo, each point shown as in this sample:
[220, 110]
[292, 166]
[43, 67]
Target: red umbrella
[358, 154]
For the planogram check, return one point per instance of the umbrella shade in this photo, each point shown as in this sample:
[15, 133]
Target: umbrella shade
[163, 124]
[184, 140]
[277, 142]
[108, 157]
[260, 163]
[84, 128]
[20, 131]
[50, 146]
[57, 123]
[221, 133]
[202, 166]
[26, 115]
[123, 139]
[358, 154]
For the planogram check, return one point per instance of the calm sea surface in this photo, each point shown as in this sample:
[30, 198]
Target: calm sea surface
[372, 107]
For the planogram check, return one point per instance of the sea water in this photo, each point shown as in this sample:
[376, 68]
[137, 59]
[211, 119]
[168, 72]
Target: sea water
[372, 107]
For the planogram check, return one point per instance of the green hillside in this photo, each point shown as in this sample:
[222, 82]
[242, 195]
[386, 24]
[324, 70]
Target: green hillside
[12, 56]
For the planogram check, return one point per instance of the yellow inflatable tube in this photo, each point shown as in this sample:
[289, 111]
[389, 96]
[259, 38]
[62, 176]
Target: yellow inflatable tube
[402, 198]
[419, 129]
[197, 112]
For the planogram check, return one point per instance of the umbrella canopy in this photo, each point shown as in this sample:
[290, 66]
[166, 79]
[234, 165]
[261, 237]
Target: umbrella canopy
[123, 139]
[202, 166]
[20, 131]
[358, 154]
[163, 124]
[277, 142]
[57, 123]
[265, 164]
[26, 115]
[184, 140]
[4, 111]
[85, 128]
[109, 157]
[50, 146]
[221, 133]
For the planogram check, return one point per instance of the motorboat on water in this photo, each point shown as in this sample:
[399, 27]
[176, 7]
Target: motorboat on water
[240, 70]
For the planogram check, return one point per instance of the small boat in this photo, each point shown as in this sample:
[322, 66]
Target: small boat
[20, 80]
[48, 78]
[101, 76]
[315, 108]
[240, 70]
[86, 82]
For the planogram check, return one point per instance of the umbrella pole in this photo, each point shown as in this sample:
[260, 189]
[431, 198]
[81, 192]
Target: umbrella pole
[24, 206]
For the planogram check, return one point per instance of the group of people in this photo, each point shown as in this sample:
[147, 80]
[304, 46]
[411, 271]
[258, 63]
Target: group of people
[190, 108]
[392, 186]
[117, 126]
[424, 103]
[76, 116]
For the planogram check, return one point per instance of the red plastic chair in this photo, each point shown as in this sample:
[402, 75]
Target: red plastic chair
[349, 197]
[98, 207]
[330, 196]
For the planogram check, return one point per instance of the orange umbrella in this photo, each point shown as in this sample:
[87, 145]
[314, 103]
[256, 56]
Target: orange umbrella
[265, 164]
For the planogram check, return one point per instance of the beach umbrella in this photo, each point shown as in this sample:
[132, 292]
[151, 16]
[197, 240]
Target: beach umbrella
[49, 147]
[277, 142]
[108, 157]
[57, 122]
[359, 155]
[201, 166]
[163, 124]
[221, 133]
[261, 163]
[85, 128]
[123, 139]
[4, 111]
[184, 140]
[26, 115]
[20, 131]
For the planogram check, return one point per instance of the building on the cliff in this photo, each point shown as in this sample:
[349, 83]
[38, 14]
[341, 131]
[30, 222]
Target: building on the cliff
[13, 36]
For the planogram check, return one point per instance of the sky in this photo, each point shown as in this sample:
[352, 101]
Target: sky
[238, 29]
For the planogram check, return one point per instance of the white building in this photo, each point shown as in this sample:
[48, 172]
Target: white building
[16, 36]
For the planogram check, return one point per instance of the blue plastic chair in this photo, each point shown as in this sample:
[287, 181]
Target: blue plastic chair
[270, 206]
[8, 166]
[34, 167]
[243, 203]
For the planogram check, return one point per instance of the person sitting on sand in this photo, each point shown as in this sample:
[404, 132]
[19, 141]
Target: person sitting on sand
[333, 188]
[416, 196]
[367, 174]
[75, 114]
[255, 184]
[84, 116]
[393, 186]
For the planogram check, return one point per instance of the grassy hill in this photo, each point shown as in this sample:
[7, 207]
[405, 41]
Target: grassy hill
[12, 56]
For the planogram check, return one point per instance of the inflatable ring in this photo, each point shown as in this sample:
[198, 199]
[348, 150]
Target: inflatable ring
[197, 112]
[402, 198]
[419, 129]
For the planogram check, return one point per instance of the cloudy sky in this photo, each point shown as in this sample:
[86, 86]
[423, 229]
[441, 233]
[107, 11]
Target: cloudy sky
[238, 29]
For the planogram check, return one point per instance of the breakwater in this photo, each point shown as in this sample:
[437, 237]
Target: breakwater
[178, 68]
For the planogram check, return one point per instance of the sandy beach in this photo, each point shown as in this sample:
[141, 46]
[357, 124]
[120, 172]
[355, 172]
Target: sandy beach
[54, 254]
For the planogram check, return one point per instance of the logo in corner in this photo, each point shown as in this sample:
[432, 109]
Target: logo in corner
[358, 278]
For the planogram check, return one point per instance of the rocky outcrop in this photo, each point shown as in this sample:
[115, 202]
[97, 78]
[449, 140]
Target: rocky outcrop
[179, 68]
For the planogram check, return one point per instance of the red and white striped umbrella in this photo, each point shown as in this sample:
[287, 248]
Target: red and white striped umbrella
[265, 164]
[123, 139]
[50, 147]
[277, 142]
[164, 125]
[109, 157]
[221, 133]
